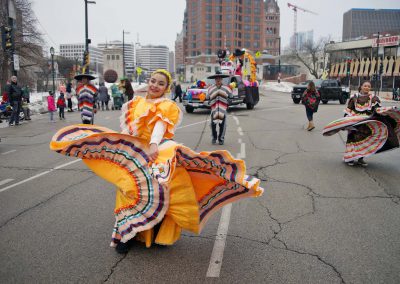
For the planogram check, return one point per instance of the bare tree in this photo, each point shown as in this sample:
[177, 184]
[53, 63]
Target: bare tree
[28, 42]
[313, 55]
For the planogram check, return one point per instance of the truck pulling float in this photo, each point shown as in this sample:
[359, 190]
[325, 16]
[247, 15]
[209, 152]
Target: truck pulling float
[242, 69]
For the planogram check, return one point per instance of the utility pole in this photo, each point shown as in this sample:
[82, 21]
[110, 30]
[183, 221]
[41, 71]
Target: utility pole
[123, 51]
[279, 61]
[377, 59]
[87, 40]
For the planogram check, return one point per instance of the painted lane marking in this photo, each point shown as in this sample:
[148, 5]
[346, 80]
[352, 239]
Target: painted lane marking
[240, 131]
[39, 175]
[217, 254]
[236, 119]
[6, 181]
[8, 152]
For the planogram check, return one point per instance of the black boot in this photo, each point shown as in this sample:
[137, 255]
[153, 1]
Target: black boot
[122, 248]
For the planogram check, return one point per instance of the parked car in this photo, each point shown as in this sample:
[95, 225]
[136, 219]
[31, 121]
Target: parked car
[330, 90]
[196, 97]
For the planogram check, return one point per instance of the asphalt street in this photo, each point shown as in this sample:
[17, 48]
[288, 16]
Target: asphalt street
[319, 220]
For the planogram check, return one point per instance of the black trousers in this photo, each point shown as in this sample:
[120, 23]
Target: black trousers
[222, 129]
[61, 112]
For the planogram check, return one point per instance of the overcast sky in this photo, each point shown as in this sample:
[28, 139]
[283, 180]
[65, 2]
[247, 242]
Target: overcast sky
[158, 21]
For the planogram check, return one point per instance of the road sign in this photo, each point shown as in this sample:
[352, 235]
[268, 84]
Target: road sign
[16, 62]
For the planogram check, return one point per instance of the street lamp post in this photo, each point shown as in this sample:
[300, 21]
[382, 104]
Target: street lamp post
[123, 51]
[52, 67]
[377, 60]
[279, 61]
[87, 40]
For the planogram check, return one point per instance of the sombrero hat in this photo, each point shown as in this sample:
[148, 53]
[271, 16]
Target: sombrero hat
[81, 76]
[218, 74]
[238, 52]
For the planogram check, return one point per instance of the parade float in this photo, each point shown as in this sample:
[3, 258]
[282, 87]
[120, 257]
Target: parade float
[241, 68]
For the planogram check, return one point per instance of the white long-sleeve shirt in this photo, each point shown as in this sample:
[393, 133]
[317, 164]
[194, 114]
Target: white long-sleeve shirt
[158, 132]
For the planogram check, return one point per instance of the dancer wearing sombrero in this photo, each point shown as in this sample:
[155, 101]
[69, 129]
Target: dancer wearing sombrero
[218, 94]
[162, 186]
[371, 128]
[86, 93]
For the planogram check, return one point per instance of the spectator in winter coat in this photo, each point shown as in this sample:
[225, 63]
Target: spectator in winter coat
[61, 105]
[26, 95]
[15, 97]
[51, 107]
[68, 89]
[129, 90]
[103, 96]
[178, 92]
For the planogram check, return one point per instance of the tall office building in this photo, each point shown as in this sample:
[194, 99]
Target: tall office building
[300, 39]
[179, 53]
[272, 27]
[152, 57]
[366, 22]
[74, 51]
[211, 25]
[171, 62]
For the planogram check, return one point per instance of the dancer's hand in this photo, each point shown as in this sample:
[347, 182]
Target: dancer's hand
[153, 153]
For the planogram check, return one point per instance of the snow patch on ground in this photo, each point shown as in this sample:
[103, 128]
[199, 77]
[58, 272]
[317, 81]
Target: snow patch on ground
[285, 87]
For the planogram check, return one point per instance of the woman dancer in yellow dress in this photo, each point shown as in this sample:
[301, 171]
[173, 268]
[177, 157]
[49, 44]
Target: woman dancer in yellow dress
[162, 186]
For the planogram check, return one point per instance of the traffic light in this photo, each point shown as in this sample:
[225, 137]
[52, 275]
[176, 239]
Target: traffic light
[7, 38]
[86, 58]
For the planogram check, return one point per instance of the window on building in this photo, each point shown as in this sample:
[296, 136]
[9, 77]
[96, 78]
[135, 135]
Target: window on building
[238, 18]
[247, 27]
[218, 17]
[117, 57]
[193, 45]
[218, 43]
[256, 36]
[247, 44]
[247, 19]
[208, 34]
[228, 9]
[257, 28]
[256, 44]
[256, 19]
[191, 69]
[208, 25]
[228, 17]
[208, 43]
[218, 9]
[218, 34]
[208, 9]
[208, 17]
[247, 10]
[218, 26]
[209, 69]
[247, 36]
[208, 51]
[216, 68]
[113, 57]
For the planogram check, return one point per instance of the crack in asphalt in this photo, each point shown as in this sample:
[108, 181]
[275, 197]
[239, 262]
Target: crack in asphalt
[43, 202]
[114, 267]
[319, 258]
[395, 198]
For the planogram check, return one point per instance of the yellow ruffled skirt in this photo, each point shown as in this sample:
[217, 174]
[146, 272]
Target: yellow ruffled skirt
[180, 190]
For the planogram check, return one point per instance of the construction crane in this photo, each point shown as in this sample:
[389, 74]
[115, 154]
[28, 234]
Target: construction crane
[295, 8]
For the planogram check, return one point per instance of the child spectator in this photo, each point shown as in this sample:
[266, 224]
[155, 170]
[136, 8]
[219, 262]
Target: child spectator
[51, 107]
[61, 105]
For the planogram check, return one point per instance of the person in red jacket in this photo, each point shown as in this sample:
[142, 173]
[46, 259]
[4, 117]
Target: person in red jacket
[61, 106]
